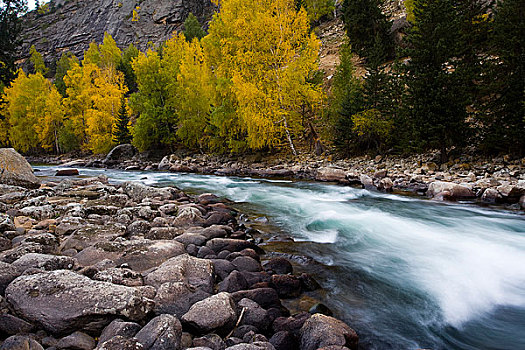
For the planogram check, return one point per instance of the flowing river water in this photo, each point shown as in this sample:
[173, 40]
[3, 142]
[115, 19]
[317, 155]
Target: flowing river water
[405, 272]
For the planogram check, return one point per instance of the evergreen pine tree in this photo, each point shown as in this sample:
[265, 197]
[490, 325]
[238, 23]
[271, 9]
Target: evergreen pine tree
[436, 103]
[10, 27]
[368, 30]
[192, 28]
[121, 133]
[125, 67]
[504, 120]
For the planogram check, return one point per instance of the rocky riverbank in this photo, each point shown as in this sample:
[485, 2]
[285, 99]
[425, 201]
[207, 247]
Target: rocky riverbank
[85, 264]
[498, 181]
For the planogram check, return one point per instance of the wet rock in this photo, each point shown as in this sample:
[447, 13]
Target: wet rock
[211, 341]
[287, 286]
[284, 341]
[491, 196]
[320, 331]
[184, 268]
[119, 153]
[331, 174]
[233, 283]
[266, 297]
[40, 298]
[222, 267]
[216, 313]
[320, 309]
[367, 182]
[254, 315]
[13, 325]
[15, 170]
[67, 172]
[176, 298]
[20, 342]
[385, 185]
[232, 245]
[308, 282]
[280, 266]
[76, 341]
[164, 332]
[119, 327]
[208, 198]
[245, 263]
[452, 190]
[218, 218]
[292, 324]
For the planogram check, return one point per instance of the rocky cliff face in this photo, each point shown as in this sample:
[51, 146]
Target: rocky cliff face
[73, 24]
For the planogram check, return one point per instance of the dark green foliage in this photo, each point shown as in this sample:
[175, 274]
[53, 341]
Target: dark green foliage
[63, 65]
[192, 28]
[368, 30]
[504, 118]
[121, 133]
[125, 67]
[436, 101]
[10, 27]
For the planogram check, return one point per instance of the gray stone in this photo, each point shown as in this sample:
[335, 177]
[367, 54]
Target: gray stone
[13, 325]
[120, 343]
[452, 190]
[62, 301]
[76, 341]
[211, 341]
[44, 261]
[183, 268]
[15, 170]
[320, 331]
[176, 298]
[254, 315]
[164, 332]
[6, 224]
[216, 313]
[20, 342]
[138, 192]
[7, 274]
[122, 276]
[331, 174]
[119, 153]
[119, 327]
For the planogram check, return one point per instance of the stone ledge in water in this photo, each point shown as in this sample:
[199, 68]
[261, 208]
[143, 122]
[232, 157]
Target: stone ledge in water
[15, 170]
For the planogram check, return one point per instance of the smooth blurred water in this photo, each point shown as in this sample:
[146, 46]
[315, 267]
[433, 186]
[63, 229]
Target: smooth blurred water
[406, 273]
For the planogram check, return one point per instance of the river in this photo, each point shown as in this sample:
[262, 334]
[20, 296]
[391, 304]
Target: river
[404, 272]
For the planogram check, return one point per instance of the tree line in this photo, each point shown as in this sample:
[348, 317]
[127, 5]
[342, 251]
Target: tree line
[455, 79]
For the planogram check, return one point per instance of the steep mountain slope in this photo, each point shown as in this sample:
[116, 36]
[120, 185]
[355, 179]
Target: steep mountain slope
[73, 24]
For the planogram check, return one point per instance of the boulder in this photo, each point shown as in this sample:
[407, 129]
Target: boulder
[331, 174]
[233, 283]
[20, 342]
[367, 182]
[254, 315]
[15, 170]
[62, 301]
[321, 331]
[279, 266]
[176, 298]
[44, 261]
[188, 216]
[119, 153]
[491, 195]
[164, 332]
[198, 273]
[287, 286]
[450, 189]
[211, 341]
[138, 192]
[266, 297]
[6, 224]
[76, 341]
[120, 343]
[67, 172]
[216, 313]
[7, 274]
[13, 325]
[232, 245]
[119, 327]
